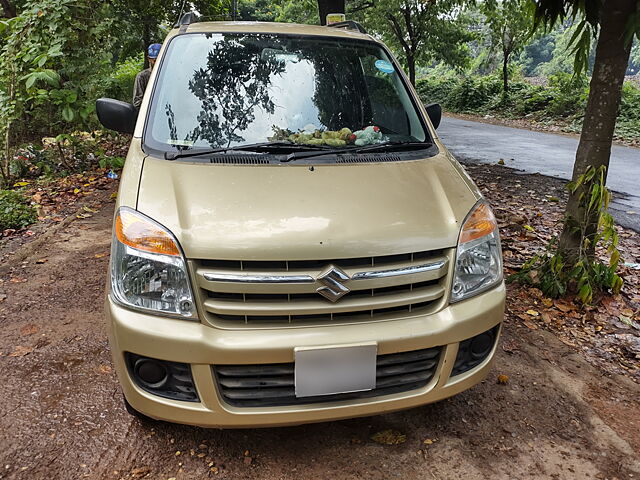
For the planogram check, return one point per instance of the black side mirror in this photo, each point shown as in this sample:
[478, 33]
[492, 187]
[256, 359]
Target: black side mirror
[116, 115]
[434, 110]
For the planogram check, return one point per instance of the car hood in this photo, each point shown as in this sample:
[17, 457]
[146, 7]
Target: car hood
[298, 212]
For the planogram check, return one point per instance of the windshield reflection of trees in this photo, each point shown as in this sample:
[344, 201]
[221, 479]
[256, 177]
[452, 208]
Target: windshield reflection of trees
[232, 83]
[236, 79]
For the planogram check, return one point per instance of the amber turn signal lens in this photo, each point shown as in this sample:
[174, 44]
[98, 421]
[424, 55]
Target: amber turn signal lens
[137, 232]
[480, 223]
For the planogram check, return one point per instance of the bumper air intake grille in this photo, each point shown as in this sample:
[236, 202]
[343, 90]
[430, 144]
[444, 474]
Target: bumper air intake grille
[273, 385]
[163, 378]
[473, 351]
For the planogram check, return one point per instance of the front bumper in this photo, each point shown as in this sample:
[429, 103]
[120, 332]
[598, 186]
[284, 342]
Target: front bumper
[202, 346]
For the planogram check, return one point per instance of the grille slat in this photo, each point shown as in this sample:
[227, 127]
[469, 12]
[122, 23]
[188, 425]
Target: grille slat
[407, 357]
[255, 370]
[273, 293]
[405, 368]
[273, 385]
[320, 305]
[292, 265]
[253, 382]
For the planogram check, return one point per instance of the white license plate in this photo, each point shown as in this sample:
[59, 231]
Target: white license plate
[330, 370]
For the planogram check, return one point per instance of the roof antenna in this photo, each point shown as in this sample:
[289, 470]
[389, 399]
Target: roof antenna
[181, 10]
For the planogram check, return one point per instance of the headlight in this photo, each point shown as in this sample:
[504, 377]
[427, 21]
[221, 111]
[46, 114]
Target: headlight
[148, 271]
[478, 258]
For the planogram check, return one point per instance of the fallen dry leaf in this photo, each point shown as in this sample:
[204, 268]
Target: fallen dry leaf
[29, 329]
[140, 472]
[564, 307]
[21, 351]
[389, 437]
[503, 379]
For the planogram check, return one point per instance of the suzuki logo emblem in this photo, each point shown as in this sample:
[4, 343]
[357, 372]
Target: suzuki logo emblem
[332, 279]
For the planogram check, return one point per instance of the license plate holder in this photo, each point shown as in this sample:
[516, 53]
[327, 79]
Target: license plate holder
[335, 369]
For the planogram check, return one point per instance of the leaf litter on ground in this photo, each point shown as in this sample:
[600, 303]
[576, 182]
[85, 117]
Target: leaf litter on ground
[605, 331]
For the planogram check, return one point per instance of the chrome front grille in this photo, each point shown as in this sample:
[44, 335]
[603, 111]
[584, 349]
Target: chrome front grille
[321, 291]
[274, 384]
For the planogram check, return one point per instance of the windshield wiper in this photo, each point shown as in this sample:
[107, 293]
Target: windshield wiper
[385, 147]
[253, 147]
[395, 146]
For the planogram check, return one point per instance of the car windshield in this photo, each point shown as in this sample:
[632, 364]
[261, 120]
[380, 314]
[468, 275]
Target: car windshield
[228, 90]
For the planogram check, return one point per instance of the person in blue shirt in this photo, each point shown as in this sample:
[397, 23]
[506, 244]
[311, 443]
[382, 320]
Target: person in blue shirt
[142, 79]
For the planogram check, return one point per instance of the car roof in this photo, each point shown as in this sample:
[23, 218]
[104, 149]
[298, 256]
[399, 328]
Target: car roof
[273, 27]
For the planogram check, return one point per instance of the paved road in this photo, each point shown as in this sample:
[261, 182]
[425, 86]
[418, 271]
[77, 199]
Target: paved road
[545, 153]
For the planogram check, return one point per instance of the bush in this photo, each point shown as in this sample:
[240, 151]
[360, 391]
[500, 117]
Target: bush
[568, 95]
[534, 99]
[472, 94]
[15, 211]
[435, 89]
[629, 117]
[563, 100]
[120, 84]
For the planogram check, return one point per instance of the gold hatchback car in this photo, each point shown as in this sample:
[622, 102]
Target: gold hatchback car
[292, 243]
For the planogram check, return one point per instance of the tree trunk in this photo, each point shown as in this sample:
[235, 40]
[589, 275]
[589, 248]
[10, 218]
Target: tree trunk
[5, 168]
[505, 72]
[329, 6]
[594, 149]
[411, 67]
[146, 39]
[8, 10]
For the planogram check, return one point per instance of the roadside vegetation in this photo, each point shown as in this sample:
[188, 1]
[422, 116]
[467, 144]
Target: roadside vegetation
[558, 102]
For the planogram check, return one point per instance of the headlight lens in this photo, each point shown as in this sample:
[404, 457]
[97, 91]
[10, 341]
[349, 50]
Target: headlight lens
[148, 271]
[479, 257]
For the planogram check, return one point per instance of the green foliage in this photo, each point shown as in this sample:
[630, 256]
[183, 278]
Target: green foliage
[568, 94]
[555, 275]
[120, 83]
[635, 56]
[563, 99]
[112, 163]
[539, 51]
[15, 211]
[297, 11]
[49, 66]
[141, 22]
[586, 17]
[509, 25]
[628, 124]
[421, 32]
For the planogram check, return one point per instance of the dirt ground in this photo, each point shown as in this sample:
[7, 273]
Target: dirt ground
[62, 416]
